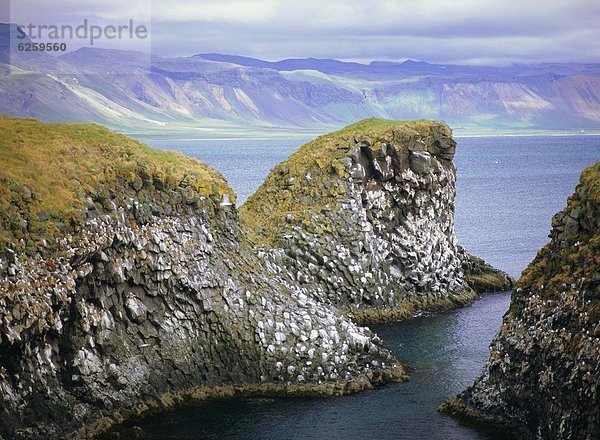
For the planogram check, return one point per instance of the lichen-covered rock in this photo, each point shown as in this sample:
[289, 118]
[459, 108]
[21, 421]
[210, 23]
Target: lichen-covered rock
[483, 277]
[365, 218]
[543, 376]
[142, 292]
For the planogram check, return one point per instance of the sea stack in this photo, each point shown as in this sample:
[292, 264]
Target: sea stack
[543, 375]
[364, 217]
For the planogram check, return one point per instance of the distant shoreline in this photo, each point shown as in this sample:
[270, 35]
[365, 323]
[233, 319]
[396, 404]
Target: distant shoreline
[550, 134]
[257, 135]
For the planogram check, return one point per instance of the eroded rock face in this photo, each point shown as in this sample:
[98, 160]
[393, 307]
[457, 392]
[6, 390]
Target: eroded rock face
[128, 313]
[377, 239]
[483, 277]
[542, 379]
[149, 292]
[154, 298]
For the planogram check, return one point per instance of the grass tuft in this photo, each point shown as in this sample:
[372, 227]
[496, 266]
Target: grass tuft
[47, 172]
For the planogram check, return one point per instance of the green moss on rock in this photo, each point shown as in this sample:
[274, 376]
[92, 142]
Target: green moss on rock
[573, 254]
[311, 178]
[48, 172]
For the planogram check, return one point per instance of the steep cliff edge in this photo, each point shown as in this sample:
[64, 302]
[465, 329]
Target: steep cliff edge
[542, 378]
[125, 282]
[365, 217]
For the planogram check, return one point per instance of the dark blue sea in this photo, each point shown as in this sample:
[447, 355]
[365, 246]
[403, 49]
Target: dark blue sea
[508, 189]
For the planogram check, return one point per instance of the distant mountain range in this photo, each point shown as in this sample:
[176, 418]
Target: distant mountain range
[214, 94]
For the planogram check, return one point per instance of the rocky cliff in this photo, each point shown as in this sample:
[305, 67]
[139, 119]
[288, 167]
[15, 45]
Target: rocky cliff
[542, 378]
[126, 283]
[365, 218]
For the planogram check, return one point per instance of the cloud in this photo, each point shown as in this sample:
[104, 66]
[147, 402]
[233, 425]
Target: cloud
[414, 17]
[69, 11]
[473, 31]
[46, 20]
[241, 12]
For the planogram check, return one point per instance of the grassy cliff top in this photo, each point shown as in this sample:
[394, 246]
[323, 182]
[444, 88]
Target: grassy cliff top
[48, 170]
[310, 178]
[336, 145]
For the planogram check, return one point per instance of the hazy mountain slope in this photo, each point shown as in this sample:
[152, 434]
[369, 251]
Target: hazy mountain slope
[131, 91]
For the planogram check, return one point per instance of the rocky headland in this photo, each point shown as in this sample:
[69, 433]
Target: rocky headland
[364, 217]
[542, 377]
[127, 283]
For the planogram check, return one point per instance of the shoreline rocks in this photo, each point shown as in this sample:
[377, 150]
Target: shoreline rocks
[483, 277]
[150, 291]
[162, 308]
[543, 374]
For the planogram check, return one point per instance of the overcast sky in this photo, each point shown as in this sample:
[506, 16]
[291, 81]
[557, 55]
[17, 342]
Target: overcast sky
[456, 31]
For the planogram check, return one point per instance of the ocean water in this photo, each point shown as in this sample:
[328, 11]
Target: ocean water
[508, 190]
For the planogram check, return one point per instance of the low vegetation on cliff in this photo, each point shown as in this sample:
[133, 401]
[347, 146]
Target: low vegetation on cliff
[51, 173]
[309, 179]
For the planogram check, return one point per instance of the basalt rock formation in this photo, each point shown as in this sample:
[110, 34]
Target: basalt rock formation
[483, 277]
[126, 283]
[543, 375]
[364, 217]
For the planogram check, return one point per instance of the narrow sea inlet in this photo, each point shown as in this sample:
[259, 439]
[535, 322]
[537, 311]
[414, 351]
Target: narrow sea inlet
[508, 190]
[445, 351]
